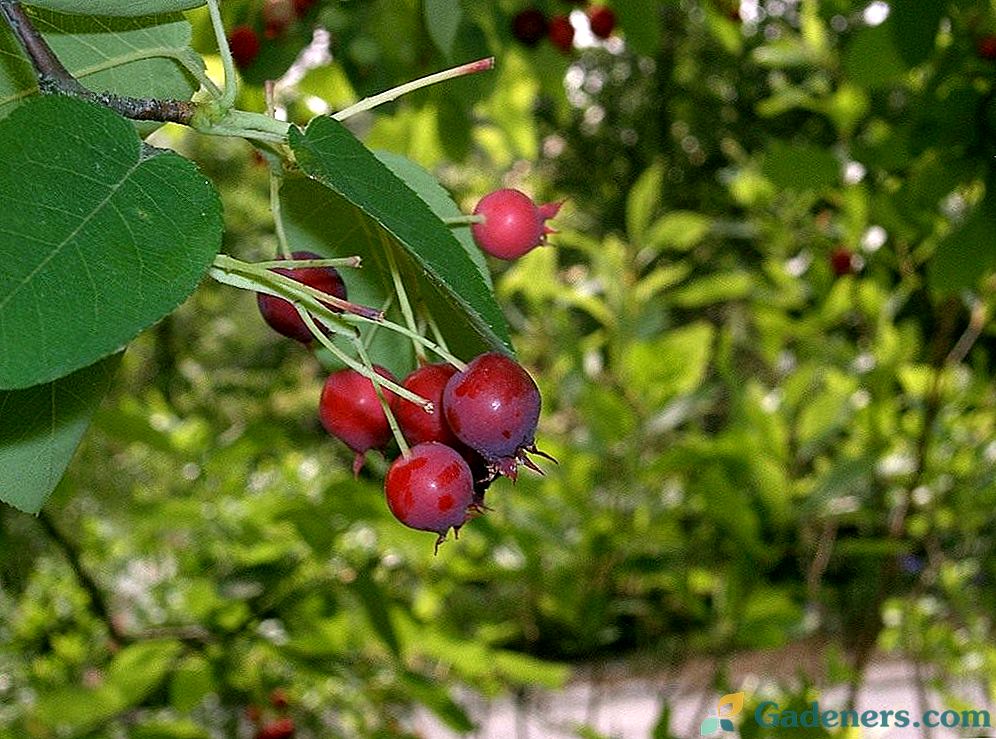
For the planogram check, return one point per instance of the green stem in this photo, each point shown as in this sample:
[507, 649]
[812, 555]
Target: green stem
[303, 263]
[227, 98]
[388, 413]
[387, 96]
[367, 372]
[406, 307]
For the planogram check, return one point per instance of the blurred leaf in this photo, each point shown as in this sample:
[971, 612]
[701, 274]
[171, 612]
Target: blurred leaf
[41, 428]
[163, 729]
[914, 25]
[643, 202]
[800, 167]
[715, 288]
[967, 253]
[72, 710]
[641, 22]
[523, 669]
[191, 682]
[96, 249]
[679, 230]
[871, 58]
[435, 697]
[378, 609]
[442, 18]
[672, 364]
[139, 668]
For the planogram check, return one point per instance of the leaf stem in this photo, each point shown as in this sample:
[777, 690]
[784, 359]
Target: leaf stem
[388, 413]
[401, 292]
[387, 96]
[227, 98]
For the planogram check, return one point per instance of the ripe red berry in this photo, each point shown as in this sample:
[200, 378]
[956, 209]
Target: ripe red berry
[561, 33]
[985, 47]
[244, 44]
[513, 224]
[350, 410]
[842, 261]
[281, 315]
[493, 407]
[602, 20]
[417, 426]
[529, 26]
[281, 728]
[431, 489]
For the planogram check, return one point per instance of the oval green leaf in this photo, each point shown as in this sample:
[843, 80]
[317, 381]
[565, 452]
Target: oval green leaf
[328, 153]
[100, 236]
[145, 57]
[127, 8]
[40, 428]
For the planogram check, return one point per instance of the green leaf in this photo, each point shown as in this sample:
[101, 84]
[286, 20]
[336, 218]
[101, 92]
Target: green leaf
[800, 167]
[967, 253]
[117, 7]
[670, 365]
[641, 22]
[139, 668]
[872, 59]
[434, 696]
[378, 609]
[680, 230]
[330, 154]
[165, 729]
[128, 56]
[40, 428]
[643, 201]
[914, 27]
[100, 236]
[191, 681]
[442, 18]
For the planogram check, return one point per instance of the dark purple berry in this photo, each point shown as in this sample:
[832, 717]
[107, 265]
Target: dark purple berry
[350, 410]
[842, 261]
[493, 407]
[513, 224]
[281, 315]
[281, 728]
[430, 489]
[985, 47]
[529, 26]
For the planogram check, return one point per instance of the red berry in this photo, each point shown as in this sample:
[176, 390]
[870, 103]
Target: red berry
[281, 315]
[842, 261]
[244, 44]
[350, 410]
[417, 425]
[529, 26]
[602, 20]
[561, 33]
[431, 489]
[513, 224]
[493, 407]
[281, 728]
[986, 47]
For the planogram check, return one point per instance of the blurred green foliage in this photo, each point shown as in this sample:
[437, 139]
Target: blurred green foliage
[752, 448]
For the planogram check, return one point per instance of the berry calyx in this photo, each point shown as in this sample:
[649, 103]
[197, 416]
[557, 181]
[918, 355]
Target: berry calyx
[529, 26]
[493, 406]
[842, 261]
[602, 21]
[281, 315]
[431, 489]
[561, 33]
[985, 47]
[350, 410]
[513, 224]
[279, 699]
[243, 42]
[417, 426]
[281, 728]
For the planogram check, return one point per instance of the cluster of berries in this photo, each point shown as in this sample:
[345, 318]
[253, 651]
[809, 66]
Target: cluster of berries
[478, 421]
[276, 18]
[531, 25]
